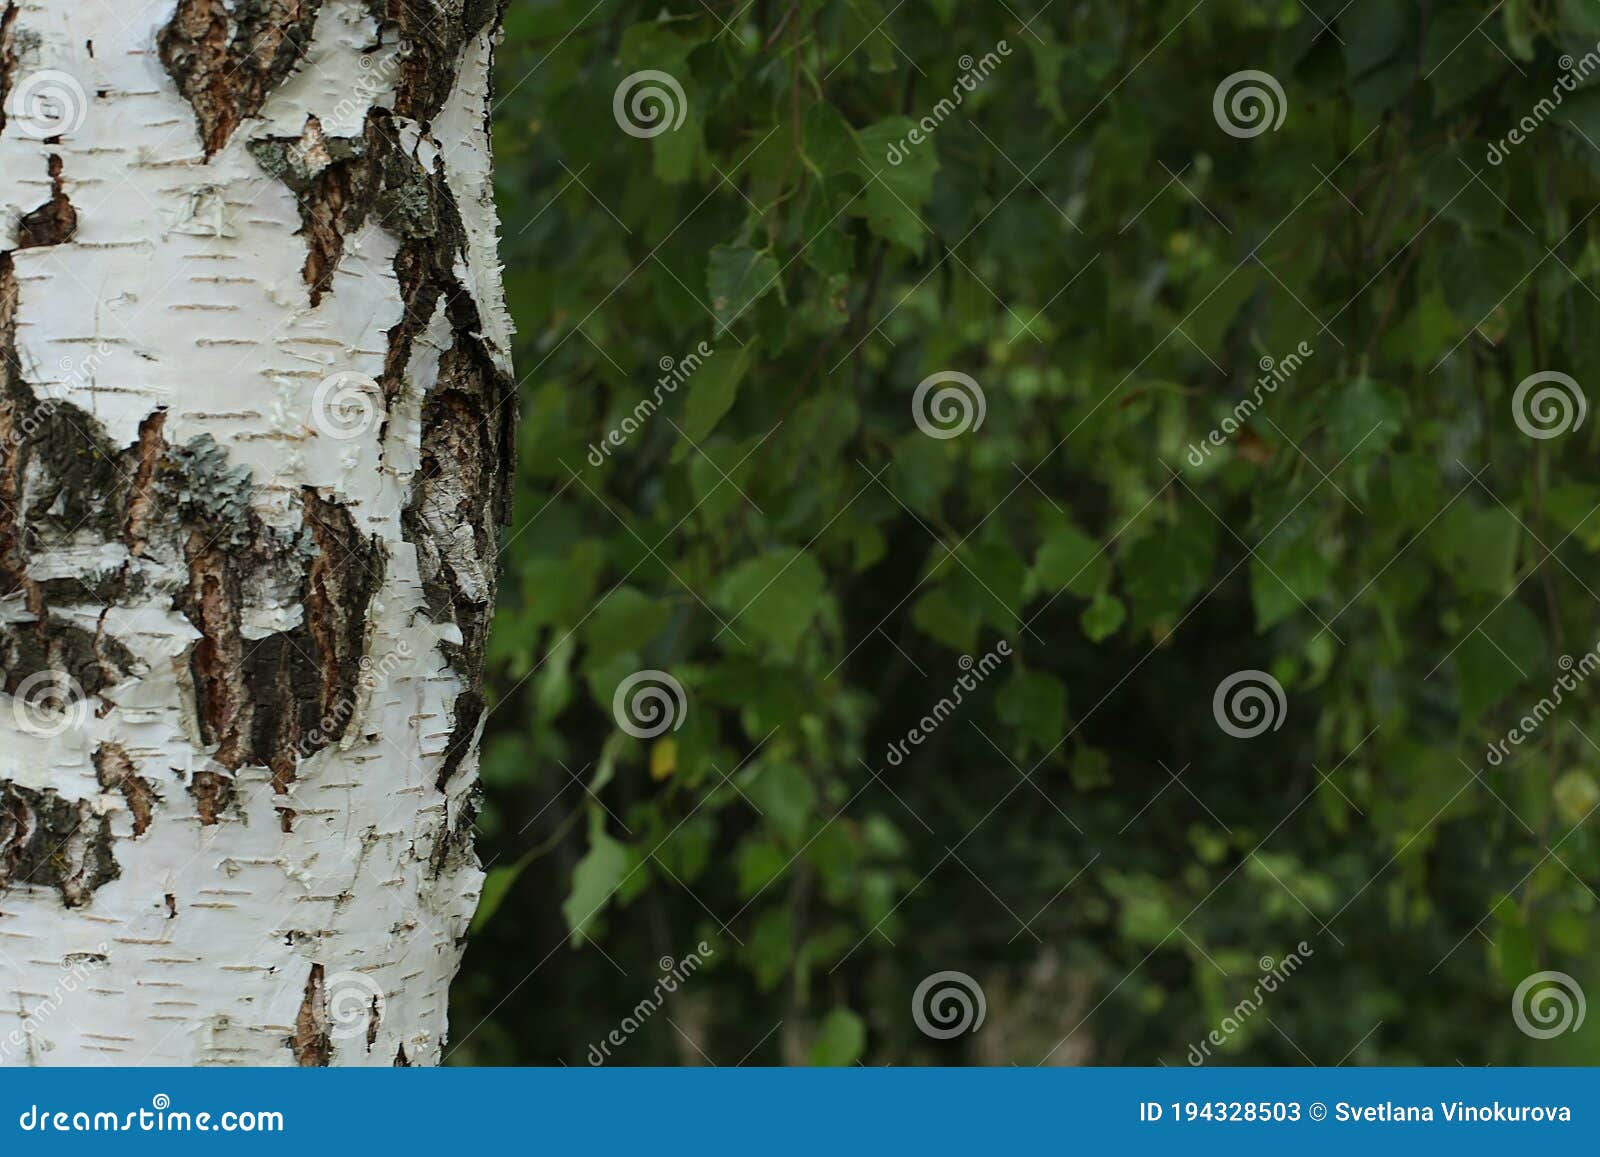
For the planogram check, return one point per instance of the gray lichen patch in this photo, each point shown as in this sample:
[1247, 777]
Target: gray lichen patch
[50, 842]
[227, 56]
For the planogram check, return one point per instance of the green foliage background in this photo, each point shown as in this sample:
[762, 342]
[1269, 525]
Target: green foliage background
[1081, 237]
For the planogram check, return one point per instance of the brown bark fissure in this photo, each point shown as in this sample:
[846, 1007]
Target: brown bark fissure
[115, 770]
[226, 57]
[53, 223]
[8, 55]
[312, 1041]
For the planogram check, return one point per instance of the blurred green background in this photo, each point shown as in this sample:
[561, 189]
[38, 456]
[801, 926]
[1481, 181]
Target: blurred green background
[1084, 237]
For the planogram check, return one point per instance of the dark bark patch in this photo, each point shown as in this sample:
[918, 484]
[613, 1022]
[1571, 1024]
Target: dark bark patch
[453, 520]
[227, 57]
[50, 842]
[331, 179]
[213, 793]
[53, 223]
[341, 182]
[278, 699]
[8, 55]
[433, 38]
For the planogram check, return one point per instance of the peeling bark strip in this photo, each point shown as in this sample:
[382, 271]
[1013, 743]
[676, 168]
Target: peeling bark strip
[116, 772]
[226, 58]
[274, 622]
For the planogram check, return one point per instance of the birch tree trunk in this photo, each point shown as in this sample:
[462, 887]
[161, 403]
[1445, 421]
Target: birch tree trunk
[255, 426]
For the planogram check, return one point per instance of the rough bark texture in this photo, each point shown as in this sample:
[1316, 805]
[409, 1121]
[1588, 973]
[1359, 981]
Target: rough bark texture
[255, 437]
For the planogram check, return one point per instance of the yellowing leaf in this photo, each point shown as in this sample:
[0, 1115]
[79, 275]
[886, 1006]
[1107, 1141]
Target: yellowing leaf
[663, 758]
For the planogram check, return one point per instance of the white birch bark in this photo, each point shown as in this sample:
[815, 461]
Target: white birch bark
[254, 420]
